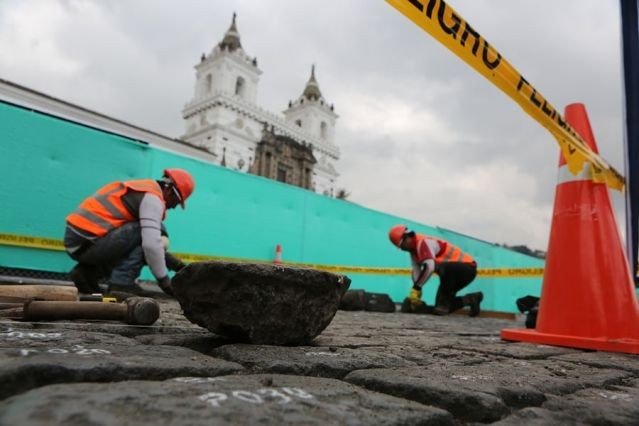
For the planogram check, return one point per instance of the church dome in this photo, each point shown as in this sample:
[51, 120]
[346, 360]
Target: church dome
[231, 41]
[312, 91]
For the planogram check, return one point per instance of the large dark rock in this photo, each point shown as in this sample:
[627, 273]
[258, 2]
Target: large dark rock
[360, 300]
[353, 300]
[259, 303]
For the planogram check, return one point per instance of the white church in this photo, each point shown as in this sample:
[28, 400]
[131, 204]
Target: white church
[223, 117]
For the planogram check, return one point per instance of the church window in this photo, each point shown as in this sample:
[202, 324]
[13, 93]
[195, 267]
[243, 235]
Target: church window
[209, 83]
[323, 130]
[240, 87]
[299, 123]
[281, 174]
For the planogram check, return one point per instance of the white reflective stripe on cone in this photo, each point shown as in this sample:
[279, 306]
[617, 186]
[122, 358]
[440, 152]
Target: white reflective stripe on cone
[565, 175]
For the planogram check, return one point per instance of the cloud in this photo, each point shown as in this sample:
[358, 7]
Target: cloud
[27, 38]
[447, 147]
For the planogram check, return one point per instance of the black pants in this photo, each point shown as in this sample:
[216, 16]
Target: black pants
[453, 276]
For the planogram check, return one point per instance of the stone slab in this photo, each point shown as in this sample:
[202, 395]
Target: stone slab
[428, 356]
[455, 345]
[229, 400]
[175, 327]
[494, 345]
[38, 359]
[203, 343]
[307, 360]
[484, 392]
[615, 406]
[604, 359]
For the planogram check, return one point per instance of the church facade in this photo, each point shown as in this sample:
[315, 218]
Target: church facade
[223, 118]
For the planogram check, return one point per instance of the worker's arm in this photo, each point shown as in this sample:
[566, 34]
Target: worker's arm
[422, 272]
[172, 262]
[151, 210]
[423, 262]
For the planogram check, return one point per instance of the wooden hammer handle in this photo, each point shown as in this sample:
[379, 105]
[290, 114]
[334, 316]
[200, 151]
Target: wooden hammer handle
[39, 310]
[138, 311]
[44, 292]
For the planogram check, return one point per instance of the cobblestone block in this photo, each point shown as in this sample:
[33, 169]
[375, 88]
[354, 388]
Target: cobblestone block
[307, 360]
[230, 400]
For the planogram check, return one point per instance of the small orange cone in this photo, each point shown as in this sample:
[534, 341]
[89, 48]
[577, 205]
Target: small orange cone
[588, 297]
[278, 254]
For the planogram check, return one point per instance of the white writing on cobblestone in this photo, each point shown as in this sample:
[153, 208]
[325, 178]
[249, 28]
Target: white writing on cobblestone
[75, 350]
[470, 378]
[614, 396]
[321, 354]
[260, 396]
[247, 397]
[198, 380]
[15, 334]
[213, 398]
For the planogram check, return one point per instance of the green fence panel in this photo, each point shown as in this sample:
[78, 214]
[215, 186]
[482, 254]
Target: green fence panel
[52, 164]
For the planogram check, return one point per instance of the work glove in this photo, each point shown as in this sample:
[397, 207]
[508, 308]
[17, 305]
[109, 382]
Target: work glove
[173, 263]
[165, 285]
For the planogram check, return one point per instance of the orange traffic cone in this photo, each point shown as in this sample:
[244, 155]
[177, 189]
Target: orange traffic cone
[278, 254]
[588, 297]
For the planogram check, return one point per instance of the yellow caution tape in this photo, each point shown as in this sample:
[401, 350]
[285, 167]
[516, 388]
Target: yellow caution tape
[33, 242]
[510, 272]
[448, 27]
[57, 245]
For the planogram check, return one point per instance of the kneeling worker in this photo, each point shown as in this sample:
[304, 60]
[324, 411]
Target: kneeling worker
[120, 227]
[455, 268]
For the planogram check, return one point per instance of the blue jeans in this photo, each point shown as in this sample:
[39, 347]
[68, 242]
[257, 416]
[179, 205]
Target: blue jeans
[118, 254]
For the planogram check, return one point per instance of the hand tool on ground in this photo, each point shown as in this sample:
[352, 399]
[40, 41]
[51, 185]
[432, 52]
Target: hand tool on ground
[97, 297]
[44, 292]
[134, 311]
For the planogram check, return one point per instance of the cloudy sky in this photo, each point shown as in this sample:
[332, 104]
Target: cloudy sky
[421, 134]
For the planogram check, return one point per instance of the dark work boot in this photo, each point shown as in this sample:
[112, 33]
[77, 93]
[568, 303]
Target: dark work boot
[473, 301]
[124, 291]
[85, 278]
[441, 310]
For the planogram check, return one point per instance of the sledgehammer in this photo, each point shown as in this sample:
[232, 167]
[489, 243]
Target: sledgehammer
[134, 311]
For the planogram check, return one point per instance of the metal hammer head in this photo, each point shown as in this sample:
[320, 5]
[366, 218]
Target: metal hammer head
[141, 311]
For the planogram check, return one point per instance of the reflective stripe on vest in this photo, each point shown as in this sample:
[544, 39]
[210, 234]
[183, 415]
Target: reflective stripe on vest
[450, 253]
[453, 254]
[105, 210]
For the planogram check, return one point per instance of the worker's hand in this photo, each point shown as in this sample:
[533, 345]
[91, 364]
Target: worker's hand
[165, 285]
[173, 263]
[165, 242]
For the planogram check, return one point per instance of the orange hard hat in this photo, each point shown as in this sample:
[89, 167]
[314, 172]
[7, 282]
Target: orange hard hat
[396, 234]
[183, 182]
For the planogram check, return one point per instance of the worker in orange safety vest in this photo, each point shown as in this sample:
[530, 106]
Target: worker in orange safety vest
[116, 231]
[455, 268]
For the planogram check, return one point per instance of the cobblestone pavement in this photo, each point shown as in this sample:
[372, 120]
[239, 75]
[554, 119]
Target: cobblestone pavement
[365, 368]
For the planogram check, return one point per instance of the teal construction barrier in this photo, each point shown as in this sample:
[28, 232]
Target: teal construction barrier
[50, 165]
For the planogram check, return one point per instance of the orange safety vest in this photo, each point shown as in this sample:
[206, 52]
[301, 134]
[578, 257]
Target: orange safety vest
[104, 211]
[448, 252]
